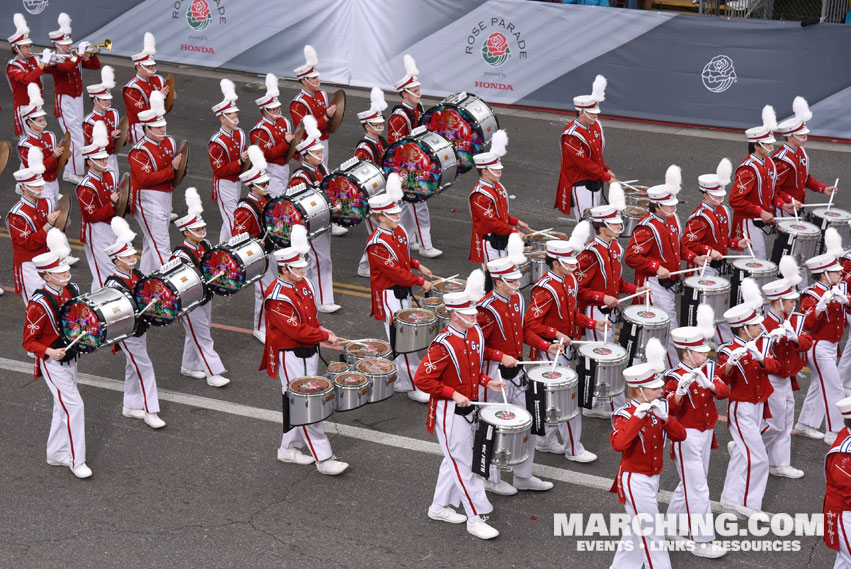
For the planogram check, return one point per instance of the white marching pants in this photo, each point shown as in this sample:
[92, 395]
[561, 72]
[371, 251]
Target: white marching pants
[71, 120]
[112, 164]
[311, 436]
[757, 238]
[67, 438]
[595, 335]
[647, 551]
[843, 527]
[406, 364]
[153, 213]
[664, 299]
[228, 194]
[571, 431]
[140, 383]
[691, 496]
[278, 179]
[319, 267]
[137, 133]
[583, 199]
[747, 471]
[455, 479]
[29, 279]
[417, 222]
[260, 294]
[845, 364]
[51, 193]
[326, 150]
[363, 263]
[825, 388]
[198, 351]
[777, 435]
[489, 253]
[99, 236]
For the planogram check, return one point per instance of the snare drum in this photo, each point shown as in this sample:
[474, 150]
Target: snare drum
[538, 259]
[525, 269]
[640, 323]
[636, 195]
[235, 265]
[432, 303]
[175, 289]
[381, 373]
[415, 329]
[464, 120]
[761, 271]
[311, 399]
[425, 161]
[539, 240]
[600, 372]
[442, 287]
[308, 207]
[442, 318]
[349, 188]
[336, 368]
[711, 290]
[800, 239]
[559, 386]
[513, 425]
[368, 348]
[351, 390]
[98, 318]
[631, 216]
[833, 217]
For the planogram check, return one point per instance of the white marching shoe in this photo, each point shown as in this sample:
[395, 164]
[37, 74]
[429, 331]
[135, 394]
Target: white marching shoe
[82, 471]
[193, 373]
[153, 421]
[785, 471]
[64, 462]
[709, 550]
[362, 272]
[328, 308]
[133, 413]
[294, 456]
[829, 437]
[431, 253]
[446, 514]
[418, 396]
[582, 457]
[260, 335]
[332, 467]
[478, 527]
[532, 483]
[597, 412]
[731, 447]
[808, 432]
[554, 448]
[502, 488]
[217, 381]
[337, 230]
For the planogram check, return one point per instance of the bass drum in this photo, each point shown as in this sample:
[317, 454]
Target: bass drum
[308, 207]
[349, 188]
[464, 120]
[229, 267]
[98, 319]
[170, 292]
[425, 161]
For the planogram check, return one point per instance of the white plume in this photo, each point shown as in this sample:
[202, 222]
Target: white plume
[475, 288]
[393, 187]
[20, 24]
[193, 202]
[122, 231]
[35, 159]
[34, 92]
[724, 171]
[150, 44]
[598, 89]
[58, 243]
[157, 103]
[311, 128]
[769, 118]
[673, 179]
[298, 239]
[833, 242]
[617, 199]
[801, 109]
[64, 23]
[99, 136]
[790, 270]
[751, 295]
[410, 65]
[656, 354]
[258, 160]
[580, 235]
[272, 89]
[310, 56]
[706, 321]
[107, 77]
[376, 100]
[515, 249]
[228, 90]
[499, 142]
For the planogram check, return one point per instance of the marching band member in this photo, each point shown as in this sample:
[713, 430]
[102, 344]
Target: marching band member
[36, 135]
[391, 278]
[248, 218]
[792, 161]
[639, 431]
[68, 81]
[28, 222]
[826, 306]
[451, 374]
[273, 134]
[311, 171]
[488, 203]
[140, 383]
[744, 364]
[403, 119]
[691, 389]
[313, 101]
[789, 340]
[583, 170]
[153, 166]
[24, 69]
[291, 351]
[553, 314]
[371, 147]
[837, 496]
[97, 195]
[501, 319]
[654, 250]
[66, 443]
[101, 96]
[227, 150]
[137, 92]
[200, 359]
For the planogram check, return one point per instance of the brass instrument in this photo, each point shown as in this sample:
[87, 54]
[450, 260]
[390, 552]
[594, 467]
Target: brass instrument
[92, 49]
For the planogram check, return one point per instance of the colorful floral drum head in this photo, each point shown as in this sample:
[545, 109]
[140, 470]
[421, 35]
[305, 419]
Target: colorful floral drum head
[351, 379]
[310, 385]
[80, 319]
[348, 201]
[220, 260]
[416, 316]
[376, 366]
[167, 305]
[368, 348]
[279, 215]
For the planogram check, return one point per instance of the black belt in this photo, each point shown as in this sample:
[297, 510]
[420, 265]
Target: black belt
[303, 352]
[401, 292]
[464, 411]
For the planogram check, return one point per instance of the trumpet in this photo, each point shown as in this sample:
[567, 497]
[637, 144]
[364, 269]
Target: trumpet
[92, 49]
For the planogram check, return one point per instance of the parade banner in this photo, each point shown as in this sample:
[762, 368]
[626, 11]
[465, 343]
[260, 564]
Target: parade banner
[660, 66]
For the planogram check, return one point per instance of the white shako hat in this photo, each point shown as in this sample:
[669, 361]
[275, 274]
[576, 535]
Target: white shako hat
[715, 184]
[270, 100]
[63, 34]
[388, 202]
[35, 108]
[123, 246]
[155, 115]
[611, 213]
[228, 104]
[798, 123]
[257, 173]
[828, 261]
[786, 287]
[32, 175]
[749, 311]
[459, 302]
[22, 32]
[58, 251]
[561, 250]
[411, 78]
[312, 136]
[290, 257]
[311, 60]
[193, 219]
[591, 103]
[764, 132]
[149, 50]
[666, 194]
[107, 82]
[376, 105]
[503, 268]
[642, 375]
[844, 406]
[695, 337]
[490, 159]
[100, 140]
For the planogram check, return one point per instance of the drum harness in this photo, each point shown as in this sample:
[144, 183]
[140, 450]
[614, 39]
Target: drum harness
[61, 342]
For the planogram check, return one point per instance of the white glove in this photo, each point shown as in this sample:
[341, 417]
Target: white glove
[46, 55]
[702, 380]
[838, 296]
[642, 410]
[755, 354]
[777, 333]
[682, 386]
[658, 409]
[737, 354]
[790, 331]
[81, 49]
[824, 300]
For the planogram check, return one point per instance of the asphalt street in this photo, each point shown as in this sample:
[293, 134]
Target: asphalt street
[208, 491]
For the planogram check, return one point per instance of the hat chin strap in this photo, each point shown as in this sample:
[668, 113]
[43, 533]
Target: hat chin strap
[615, 231]
[314, 155]
[192, 231]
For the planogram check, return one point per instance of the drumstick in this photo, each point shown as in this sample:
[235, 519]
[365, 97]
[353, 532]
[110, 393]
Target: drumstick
[703, 268]
[555, 359]
[77, 339]
[485, 403]
[539, 231]
[504, 398]
[815, 204]
[751, 250]
[218, 276]
[150, 304]
[684, 271]
[647, 300]
[449, 279]
[830, 201]
[628, 182]
[736, 257]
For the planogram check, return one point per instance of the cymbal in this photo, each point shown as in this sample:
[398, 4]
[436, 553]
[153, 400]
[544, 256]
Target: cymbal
[298, 135]
[124, 127]
[183, 150]
[66, 152]
[123, 195]
[338, 99]
[169, 99]
[5, 150]
[64, 208]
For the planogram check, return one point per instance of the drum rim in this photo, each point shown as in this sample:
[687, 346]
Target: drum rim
[646, 322]
[771, 265]
[462, 111]
[359, 386]
[824, 209]
[611, 358]
[362, 341]
[346, 174]
[428, 322]
[97, 312]
[555, 382]
[285, 198]
[432, 157]
[527, 421]
[392, 370]
[318, 378]
[242, 266]
[720, 290]
[785, 221]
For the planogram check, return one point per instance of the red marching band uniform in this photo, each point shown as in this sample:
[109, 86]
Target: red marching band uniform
[793, 173]
[581, 159]
[93, 195]
[403, 119]
[137, 97]
[25, 223]
[371, 149]
[270, 136]
[837, 497]
[47, 142]
[708, 228]
[488, 205]
[110, 118]
[20, 73]
[654, 243]
[599, 274]
[68, 79]
[304, 104]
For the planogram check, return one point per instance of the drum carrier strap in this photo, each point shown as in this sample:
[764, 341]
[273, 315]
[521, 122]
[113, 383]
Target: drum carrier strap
[410, 113]
[61, 342]
[536, 405]
[374, 147]
[483, 448]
